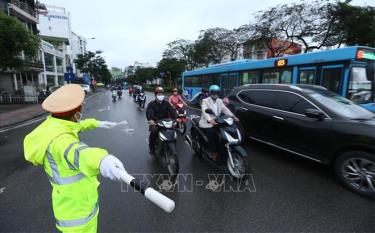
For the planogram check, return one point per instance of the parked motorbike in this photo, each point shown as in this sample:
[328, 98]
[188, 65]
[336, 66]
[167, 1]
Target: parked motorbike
[119, 94]
[165, 146]
[141, 100]
[181, 118]
[231, 154]
[114, 95]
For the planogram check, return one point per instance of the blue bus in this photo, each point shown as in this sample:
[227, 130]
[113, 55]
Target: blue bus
[348, 71]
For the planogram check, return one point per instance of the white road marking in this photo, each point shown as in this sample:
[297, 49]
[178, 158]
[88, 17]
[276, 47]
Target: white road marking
[2, 190]
[23, 124]
[104, 109]
[129, 131]
[122, 123]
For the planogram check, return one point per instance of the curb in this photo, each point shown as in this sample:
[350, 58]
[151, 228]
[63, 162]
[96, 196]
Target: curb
[6, 127]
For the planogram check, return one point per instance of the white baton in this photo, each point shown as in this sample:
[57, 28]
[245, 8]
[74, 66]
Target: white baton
[151, 194]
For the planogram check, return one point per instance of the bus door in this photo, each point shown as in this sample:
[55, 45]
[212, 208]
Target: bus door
[228, 82]
[331, 77]
[307, 75]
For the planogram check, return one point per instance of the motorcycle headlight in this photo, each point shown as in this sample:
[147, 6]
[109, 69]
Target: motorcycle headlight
[168, 124]
[229, 121]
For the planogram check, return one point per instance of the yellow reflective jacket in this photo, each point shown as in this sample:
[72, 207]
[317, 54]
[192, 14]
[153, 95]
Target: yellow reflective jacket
[71, 166]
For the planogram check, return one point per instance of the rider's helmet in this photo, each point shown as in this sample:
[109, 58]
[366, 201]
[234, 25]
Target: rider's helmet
[158, 90]
[214, 89]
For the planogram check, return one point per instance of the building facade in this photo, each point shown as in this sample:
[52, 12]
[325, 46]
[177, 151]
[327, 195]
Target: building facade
[55, 27]
[14, 82]
[258, 50]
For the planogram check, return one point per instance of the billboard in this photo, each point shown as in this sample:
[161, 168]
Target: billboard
[54, 24]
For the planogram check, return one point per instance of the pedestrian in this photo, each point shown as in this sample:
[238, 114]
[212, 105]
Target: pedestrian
[71, 165]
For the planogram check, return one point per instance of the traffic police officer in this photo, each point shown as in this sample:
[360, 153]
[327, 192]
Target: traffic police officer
[71, 165]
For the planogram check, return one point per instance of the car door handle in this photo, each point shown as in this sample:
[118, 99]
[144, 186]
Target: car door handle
[278, 118]
[244, 109]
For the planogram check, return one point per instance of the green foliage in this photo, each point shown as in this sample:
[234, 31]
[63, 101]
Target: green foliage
[355, 24]
[14, 38]
[171, 68]
[142, 75]
[313, 23]
[95, 65]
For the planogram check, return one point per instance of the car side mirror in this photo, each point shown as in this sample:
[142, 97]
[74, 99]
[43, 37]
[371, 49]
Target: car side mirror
[209, 111]
[314, 113]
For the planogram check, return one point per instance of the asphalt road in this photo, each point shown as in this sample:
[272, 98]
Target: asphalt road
[287, 194]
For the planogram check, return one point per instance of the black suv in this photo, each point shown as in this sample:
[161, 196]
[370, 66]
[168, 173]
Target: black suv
[314, 123]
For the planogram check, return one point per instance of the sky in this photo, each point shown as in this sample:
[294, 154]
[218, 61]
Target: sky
[139, 30]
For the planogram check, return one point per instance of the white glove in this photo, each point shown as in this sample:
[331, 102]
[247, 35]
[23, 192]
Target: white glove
[106, 124]
[112, 168]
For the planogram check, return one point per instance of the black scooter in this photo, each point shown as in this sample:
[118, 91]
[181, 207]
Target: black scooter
[165, 146]
[119, 94]
[231, 154]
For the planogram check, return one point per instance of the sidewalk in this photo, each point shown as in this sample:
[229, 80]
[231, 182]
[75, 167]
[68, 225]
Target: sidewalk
[11, 114]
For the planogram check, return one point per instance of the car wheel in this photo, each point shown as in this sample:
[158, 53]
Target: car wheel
[356, 171]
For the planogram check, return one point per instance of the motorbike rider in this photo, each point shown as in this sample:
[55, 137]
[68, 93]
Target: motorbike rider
[137, 91]
[176, 99]
[207, 121]
[157, 109]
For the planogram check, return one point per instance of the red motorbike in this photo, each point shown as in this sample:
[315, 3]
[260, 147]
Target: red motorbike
[181, 118]
[130, 91]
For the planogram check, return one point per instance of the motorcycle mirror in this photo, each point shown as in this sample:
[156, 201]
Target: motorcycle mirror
[209, 111]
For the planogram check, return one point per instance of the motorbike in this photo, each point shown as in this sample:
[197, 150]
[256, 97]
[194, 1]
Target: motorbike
[119, 94]
[231, 154]
[114, 95]
[141, 100]
[181, 118]
[165, 146]
[130, 91]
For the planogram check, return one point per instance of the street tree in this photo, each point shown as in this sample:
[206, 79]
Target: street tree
[15, 39]
[182, 50]
[142, 75]
[355, 25]
[93, 64]
[170, 69]
[310, 23]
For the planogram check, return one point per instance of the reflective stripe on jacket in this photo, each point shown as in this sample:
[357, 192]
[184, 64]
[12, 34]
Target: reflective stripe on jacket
[72, 168]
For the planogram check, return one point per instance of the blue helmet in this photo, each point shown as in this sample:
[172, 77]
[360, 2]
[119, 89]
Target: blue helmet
[214, 88]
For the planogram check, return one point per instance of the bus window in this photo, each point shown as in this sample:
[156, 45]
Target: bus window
[286, 77]
[197, 81]
[228, 82]
[215, 79]
[270, 77]
[206, 81]
[360, 87]
[332, 79]
[306, 76]
[250, 77]
[276, 77]
[188, 81]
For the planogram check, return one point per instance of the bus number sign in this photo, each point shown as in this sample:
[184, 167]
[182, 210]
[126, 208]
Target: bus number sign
[365, 54]
[281, 62]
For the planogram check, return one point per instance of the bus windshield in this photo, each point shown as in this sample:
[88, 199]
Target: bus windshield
[361, 86]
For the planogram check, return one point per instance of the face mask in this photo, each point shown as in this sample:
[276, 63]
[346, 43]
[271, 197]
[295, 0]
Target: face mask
[214, 97]
[160, 98]
[79, 117]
